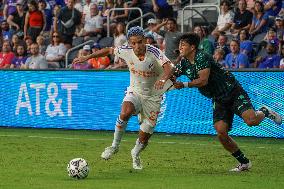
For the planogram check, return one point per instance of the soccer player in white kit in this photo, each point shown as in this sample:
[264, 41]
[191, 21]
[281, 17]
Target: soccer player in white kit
[150, 71]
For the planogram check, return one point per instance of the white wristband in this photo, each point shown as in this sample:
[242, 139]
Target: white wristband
[185, 84]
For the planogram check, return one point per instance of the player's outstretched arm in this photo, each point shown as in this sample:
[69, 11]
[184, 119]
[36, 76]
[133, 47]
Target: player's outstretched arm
[200, 82]
[168, 67]
[100, 53]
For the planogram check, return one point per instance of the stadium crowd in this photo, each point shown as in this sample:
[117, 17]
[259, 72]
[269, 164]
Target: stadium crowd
[36, 34]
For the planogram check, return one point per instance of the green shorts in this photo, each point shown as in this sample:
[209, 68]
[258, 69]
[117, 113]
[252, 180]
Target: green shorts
[236, 102]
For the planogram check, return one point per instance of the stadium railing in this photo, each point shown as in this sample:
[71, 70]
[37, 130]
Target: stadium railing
[74, 49]
[117, 9]
[141, 17]
[193, 8]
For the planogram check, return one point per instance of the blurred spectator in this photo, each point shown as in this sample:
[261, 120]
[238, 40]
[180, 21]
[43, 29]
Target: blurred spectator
[259, 21]
[68, 19]
[171, 37]
[78, 6]
[55, 13]
[225, 19]
[242, 18]
[162, 9]
[53, 3]
[48, 16]
[55, 52]
[41, 45]
[34, 21]
[176, 4]
[94, 24]
[152, 23]
[15, 42]
[271, 35]
[222, 44]
[83, 52]
[101, 62]
[86, 9]
[236, 59]
[9, 7]
[135, 13]
[246, 46]
[6, 56]
[279, 24]
[119, 40]
[205, 44]
[219, 57]
[20, 57]
[120, 15]
[17, 20]
[29, 42]
[150, 39]
[36, 60]
[282, 56]
[281, 13]
[109, 4]
[272, 7]
[250, 5]
[272, 60]
[119, 35]
[6, 33]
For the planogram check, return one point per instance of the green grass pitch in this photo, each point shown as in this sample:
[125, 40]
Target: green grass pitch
[37, 159]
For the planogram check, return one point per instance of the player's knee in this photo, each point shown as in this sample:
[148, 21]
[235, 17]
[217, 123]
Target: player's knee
[147, 128]
[125, 115]
[250, 117]
[221, 128]
[251, 120]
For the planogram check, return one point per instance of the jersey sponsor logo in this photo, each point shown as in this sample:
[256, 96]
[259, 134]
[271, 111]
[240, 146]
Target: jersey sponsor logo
[145, 74]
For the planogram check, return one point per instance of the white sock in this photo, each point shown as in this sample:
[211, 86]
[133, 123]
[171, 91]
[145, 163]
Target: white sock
[139, 147]
[119, 130]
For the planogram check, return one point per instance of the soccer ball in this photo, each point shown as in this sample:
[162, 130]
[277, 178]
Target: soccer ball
[78, 168]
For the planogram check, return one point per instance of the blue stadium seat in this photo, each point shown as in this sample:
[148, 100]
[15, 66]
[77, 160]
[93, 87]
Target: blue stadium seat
[106, 42]
[77, 41]
[258, 38]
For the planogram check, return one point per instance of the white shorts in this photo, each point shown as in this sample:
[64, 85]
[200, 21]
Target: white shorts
[146, 107]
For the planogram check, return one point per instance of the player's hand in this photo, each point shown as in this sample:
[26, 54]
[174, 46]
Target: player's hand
[178, 85]
[80, 60]
[160, 84]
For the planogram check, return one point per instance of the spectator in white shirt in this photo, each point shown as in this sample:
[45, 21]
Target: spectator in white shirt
[86, 8]
[225, 19]
[93, 24]
[55, 52]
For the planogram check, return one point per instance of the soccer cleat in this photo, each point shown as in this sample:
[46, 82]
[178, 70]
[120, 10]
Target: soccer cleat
[136, 161]
[109, 151]
[242, 167]
[274, 116]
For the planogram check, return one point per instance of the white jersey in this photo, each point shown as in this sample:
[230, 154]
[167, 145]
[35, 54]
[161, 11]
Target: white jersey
[143, 74]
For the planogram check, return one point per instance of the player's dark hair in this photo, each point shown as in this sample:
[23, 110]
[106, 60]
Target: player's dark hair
[191, 39]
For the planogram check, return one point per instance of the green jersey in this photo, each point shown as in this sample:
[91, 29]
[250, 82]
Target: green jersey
[220, 81]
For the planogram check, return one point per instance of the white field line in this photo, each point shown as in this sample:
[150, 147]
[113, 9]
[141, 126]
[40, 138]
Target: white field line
[104, 139]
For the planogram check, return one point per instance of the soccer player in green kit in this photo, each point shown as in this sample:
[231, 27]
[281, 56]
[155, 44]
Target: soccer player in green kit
[228, 96]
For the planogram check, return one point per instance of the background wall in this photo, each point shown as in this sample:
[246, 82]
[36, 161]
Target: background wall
[91, 100]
